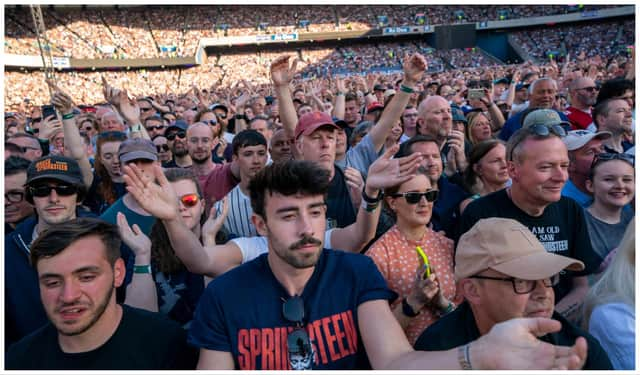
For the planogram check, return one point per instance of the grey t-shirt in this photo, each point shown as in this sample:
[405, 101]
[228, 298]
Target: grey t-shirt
[360, 157]
[606, 237]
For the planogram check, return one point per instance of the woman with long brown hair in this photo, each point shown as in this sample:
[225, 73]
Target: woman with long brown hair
[108, 183]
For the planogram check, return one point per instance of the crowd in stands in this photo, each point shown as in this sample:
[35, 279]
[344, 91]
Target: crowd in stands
[371, 206]
[160, 31]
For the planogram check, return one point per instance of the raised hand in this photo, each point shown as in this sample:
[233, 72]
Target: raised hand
[212, 226]
[414, 67]
[49, 126]
[133, 237]
[281, 73]
[355, 183]
[386, 172]
[62, 101]
[160, 200]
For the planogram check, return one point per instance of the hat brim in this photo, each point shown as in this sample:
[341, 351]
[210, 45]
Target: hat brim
[134, 155]
[313, 128]
[538, 266]
[55, 176]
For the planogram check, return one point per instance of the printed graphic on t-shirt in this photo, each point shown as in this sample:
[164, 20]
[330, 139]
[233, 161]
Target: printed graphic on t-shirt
[548, 236]
[332, 338]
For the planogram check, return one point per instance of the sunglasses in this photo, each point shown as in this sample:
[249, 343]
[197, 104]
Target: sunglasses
[190, 200]
[541, 131]
[181, 135]
[45, 190]
[113, 134]
[606, 156]
[221, 115]
[162, 148]
[413, 197]
[210, 122]
[158, 127]
[590, 89]
[298, 342]
[145, 109]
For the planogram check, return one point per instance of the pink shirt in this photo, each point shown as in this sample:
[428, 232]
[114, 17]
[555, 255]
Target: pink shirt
[397, 260]
[217, 183]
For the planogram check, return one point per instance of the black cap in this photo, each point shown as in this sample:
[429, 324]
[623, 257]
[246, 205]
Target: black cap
[54, 167]
[341, 123]
[379, 87]
[219, 105]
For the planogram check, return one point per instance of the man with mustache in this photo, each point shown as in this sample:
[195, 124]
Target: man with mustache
[504, 272]
[79, 267]
[55, 188]
[300, 298]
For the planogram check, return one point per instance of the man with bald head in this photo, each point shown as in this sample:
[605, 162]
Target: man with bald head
[583, 92]
[434, 118]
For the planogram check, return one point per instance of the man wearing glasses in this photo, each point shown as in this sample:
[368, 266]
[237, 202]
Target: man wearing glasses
[54, 187]
[300, 300]
[31, 149]
[583, 92]
[538, 162]
[16, 208]
[504, 272]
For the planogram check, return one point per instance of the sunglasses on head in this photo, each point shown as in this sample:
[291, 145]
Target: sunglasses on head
[298, 342]
[541, 131]
[190, 200]
[413, 197]
[179, 134]
[161, 148]
[45, 190]
[606, 156]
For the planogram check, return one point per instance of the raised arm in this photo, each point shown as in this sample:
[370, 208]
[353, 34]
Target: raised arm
[383, 173]
[281, 75]
[414, 66]
[72, 141]
[339, 105]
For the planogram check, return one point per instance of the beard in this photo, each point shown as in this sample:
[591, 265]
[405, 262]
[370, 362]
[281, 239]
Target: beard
[97, 314]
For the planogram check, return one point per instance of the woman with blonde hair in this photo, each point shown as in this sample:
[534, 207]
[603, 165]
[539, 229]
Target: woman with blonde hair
[478, 127]
[609, 308]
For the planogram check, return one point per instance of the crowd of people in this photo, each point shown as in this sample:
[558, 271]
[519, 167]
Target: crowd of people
[160, 31]
[275, 211]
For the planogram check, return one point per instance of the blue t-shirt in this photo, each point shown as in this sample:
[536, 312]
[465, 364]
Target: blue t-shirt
[241, 312]
[515, 122]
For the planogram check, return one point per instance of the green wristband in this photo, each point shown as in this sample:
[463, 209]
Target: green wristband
[68, 116]
[142, 269]
[408, 90]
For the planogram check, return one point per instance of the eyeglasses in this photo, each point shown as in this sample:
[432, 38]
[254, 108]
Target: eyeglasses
[190, 200]
[158, 127]
[45, 190]
[413, 197]
[210, 122]
[298, 342]
[523, 286]
[541, 131]
[145, 109]
[590, 88]
[606, 156]
[180, 134]
[14, 196]
[113, 134]
[221, 115]
[162, 148]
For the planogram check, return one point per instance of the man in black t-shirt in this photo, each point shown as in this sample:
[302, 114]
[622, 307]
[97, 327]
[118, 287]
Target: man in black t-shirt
[538, 166]
[79, 267]
[504, 272]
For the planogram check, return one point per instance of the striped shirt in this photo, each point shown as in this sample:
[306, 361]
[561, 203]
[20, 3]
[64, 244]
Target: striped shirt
[238, 219]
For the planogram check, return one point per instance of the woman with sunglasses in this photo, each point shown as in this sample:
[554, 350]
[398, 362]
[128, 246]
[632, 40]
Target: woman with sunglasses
[612, 183]
[422, 298]
[487, 170]
[164, 152]
[177, 290]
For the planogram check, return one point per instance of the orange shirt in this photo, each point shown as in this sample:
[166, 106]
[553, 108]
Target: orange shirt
[397, 260]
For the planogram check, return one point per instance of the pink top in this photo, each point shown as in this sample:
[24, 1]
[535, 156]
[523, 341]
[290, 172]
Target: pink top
[217, 183]
[397, 260]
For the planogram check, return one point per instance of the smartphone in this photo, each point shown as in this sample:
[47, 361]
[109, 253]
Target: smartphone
[425, 260]
[47, 110]
[475, 94]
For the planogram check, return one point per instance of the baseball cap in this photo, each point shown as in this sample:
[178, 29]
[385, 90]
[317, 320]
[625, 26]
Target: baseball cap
[178, 125]
[375, 106]
[521, 86]
[457, 114]
[575, 139]
[503, 80]
[54, 167]
[137, 148]
[388, 93]
[379, 87]
[507, 246]
[219, 105]
[311, 121]
[546, 117]
[341, 123]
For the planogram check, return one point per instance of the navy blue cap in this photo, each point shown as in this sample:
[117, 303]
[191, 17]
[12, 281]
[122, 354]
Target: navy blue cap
[178, 125]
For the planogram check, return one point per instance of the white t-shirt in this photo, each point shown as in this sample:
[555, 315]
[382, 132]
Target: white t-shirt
[253, 247]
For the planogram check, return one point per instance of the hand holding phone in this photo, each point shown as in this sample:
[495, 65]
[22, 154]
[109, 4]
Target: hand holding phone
[425, 261]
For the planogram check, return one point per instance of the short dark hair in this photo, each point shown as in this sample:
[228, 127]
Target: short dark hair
[613, 88]
[602, 109]
[287, 178]
[406, 147]
[478, 151]
[53, 240]
[15, 164]
[12, 147]
[350, 97]
[247, 137]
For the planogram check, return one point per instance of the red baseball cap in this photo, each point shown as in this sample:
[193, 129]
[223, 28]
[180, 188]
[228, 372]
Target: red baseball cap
[375, 106]
[308, 123]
